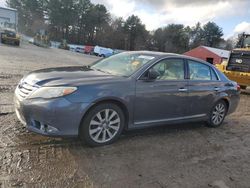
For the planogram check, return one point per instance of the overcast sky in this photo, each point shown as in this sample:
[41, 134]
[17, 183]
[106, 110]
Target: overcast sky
[232, 15]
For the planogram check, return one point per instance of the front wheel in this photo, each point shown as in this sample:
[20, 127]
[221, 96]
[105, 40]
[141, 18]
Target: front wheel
[217, 114]
[102, 125]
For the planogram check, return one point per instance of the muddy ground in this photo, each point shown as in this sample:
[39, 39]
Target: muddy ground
[186, 155]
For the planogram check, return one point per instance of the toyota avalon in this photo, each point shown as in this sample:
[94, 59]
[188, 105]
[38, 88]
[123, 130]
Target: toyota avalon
[126, 91]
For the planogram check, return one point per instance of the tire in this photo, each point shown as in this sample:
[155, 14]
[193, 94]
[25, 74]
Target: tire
[97, 130]
[17, 43]
[217, 114]
[103, 55]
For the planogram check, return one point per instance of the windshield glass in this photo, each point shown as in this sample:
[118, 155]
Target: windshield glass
[123, 64]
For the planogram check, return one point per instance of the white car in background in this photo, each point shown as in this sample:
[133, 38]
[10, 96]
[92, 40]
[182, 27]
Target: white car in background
[103, 52]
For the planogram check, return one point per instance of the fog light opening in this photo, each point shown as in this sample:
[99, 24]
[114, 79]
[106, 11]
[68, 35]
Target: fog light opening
[51, 129]
[45, 128]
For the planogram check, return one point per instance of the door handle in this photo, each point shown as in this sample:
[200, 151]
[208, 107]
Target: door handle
[182, 89]
[216, 88]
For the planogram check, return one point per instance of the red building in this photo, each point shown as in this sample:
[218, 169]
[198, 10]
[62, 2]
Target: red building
[211, 55]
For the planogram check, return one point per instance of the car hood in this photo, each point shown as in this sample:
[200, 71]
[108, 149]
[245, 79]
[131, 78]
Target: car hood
[66, 76]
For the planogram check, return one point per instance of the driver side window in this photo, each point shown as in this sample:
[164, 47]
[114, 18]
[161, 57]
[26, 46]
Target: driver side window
[170, 69]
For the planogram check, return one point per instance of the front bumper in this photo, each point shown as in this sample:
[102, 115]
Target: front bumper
[52, 117]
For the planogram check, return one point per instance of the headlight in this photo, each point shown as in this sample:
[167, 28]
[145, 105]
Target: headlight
[52, 92]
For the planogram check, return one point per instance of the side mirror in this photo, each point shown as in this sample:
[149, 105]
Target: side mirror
[153, 74]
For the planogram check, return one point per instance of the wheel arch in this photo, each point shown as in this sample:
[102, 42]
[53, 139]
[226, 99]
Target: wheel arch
[115, 101]
[226, 100]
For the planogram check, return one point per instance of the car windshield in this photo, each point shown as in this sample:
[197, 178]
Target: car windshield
[123, 64]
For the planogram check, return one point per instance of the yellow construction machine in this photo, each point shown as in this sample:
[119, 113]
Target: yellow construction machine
[237, 68]
[10, 36]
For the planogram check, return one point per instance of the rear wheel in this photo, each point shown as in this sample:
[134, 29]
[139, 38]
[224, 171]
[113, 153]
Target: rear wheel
[17, 43]
[102, 125]
[217, 114]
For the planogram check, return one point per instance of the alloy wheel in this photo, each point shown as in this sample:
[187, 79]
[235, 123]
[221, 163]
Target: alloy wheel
[104, 125]
[218, 113]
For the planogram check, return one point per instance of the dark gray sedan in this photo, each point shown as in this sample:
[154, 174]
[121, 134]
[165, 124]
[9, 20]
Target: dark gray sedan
[125, 91]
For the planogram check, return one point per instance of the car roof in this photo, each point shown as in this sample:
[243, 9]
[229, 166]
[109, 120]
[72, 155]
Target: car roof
[152, 53]
[160, 55]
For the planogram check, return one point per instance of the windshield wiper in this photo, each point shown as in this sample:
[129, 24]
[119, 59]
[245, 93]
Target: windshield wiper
[108, 72]
[102, 71]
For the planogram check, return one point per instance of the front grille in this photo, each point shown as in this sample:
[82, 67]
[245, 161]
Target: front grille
[24, 89]
[12, 35]
[237, 67]
[239, 61]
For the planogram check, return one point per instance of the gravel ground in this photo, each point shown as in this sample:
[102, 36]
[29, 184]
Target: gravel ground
[185, 155]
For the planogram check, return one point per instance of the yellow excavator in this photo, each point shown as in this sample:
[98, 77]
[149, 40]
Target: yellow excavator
[237, 68]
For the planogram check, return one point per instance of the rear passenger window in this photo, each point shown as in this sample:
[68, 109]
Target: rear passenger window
[199, 71]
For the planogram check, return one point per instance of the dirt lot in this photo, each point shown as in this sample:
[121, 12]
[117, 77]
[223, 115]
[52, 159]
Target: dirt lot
[188, 155]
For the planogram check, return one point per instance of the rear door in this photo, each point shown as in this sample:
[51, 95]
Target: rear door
[203, 87]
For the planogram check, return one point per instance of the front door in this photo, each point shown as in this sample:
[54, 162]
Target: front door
[162, 99]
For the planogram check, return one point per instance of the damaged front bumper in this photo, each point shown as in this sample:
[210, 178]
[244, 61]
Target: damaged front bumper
[50, 117]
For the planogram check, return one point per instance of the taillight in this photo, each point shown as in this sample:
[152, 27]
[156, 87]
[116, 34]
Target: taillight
[238, 87]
